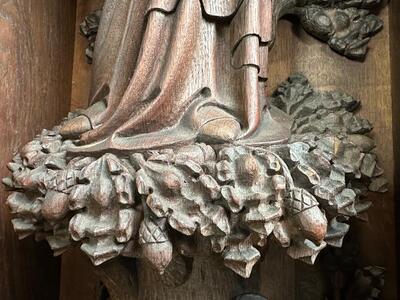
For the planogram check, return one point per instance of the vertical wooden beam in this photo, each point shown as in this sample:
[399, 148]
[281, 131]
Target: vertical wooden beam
[36, 51]
[395, 68]
[81, 75]
[78, 281]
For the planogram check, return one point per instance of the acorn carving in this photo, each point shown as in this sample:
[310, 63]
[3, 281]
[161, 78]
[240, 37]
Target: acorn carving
[306, 215]
[234, 196]
[156, 246]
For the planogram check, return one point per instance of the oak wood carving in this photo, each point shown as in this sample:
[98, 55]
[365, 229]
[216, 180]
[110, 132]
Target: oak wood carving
[34, 37]
[182, 155]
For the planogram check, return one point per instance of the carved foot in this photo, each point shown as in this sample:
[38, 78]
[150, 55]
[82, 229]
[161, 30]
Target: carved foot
[202, 122]
[216, 125]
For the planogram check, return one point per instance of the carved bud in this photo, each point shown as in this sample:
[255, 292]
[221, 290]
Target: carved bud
[312, 224]
[128, 224]
[279, 184]
[124, 187]
[232, 198]
[248, 169]
[31, 154]
[55, 206]
[19, 203]
[199, 153]
[78, 196]
[306, 215]
[241, 258]
[171, 181]
[102, 188]
[212, 185]
[282, 233]
[316, 21]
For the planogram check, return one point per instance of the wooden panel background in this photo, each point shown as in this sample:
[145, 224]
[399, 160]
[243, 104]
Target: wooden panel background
[36, 51]
[81, 70]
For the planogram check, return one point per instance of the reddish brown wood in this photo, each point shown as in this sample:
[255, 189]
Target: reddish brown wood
[77, 279]
[36, 38]
[394, 9]
[295, 51]
[372, 83]
[334, 72]
[82, 70]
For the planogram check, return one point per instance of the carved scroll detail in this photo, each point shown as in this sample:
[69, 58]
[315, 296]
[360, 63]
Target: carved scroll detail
[144, 204]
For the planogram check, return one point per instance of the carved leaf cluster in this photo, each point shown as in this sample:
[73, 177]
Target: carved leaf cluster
[89, 28]
[345, 25]
[144, 204]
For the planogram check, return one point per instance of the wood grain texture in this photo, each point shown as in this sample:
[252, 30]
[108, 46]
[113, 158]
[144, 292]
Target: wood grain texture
[395, 68]
[371, 82]
[81, 70]
[36, 38]
[78, 280]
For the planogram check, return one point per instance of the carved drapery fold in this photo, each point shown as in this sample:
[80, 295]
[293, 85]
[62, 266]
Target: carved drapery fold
[174, 62]
[155, 81]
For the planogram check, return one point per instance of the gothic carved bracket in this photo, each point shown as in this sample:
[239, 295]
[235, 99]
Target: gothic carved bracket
[149, 204]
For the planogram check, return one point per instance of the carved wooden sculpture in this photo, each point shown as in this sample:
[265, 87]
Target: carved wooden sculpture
[181, 152]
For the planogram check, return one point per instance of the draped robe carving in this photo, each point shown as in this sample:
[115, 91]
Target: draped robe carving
[188, 68]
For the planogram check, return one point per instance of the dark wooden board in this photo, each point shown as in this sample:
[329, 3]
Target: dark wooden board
[36, 50]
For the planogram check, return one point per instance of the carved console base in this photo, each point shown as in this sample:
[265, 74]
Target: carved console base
[158, 205]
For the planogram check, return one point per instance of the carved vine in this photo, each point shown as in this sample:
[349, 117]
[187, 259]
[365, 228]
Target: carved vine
[301, 193]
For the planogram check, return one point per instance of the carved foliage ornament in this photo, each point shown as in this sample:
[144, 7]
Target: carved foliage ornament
[180, 139]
